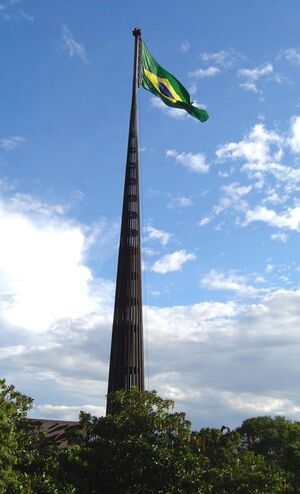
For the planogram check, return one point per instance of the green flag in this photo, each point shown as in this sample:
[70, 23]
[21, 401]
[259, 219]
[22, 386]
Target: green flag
[164, 85]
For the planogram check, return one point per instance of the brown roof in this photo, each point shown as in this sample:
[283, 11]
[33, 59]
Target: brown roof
[56, 429]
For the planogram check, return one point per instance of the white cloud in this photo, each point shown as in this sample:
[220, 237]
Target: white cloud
[262, 152]
[292, 55]
[150, 252]
[180, 202]
[10, 10]
[227, 346]
[72, 47]
[189, 322]
[185, 46]
[232, 197]
[10, 143]
[257, 73]
[27, 203]
[53, 307]
[175, 113]
[294, 139]
[252, 403]
[274, 196]
[183, 201]
[290, 218]
[251, 76]
[205, 73]
[195, 162]
[160, 235]
[235, 191]
[205, 221]
[222, 58]
[172, 262]
[280, 237]
[260, 156]
[64, 412]
[215, 280]
[43, 275]
[254, 148]
[249, 86]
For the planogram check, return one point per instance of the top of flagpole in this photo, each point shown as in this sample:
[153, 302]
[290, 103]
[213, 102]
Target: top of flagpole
[137, 33]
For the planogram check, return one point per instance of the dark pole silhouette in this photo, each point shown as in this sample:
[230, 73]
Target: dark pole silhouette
[127, 355]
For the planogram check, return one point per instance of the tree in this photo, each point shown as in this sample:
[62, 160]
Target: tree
[230, 468]
[145, 447]
[13, 409]
[278, 440]
[29, 462]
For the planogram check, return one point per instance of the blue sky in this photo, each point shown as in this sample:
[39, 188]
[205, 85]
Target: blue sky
[220, 201]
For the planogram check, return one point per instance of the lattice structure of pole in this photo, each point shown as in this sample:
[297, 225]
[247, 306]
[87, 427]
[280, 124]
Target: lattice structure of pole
[127, 354]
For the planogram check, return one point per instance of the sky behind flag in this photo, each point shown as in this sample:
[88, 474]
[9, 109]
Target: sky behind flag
[221, 208]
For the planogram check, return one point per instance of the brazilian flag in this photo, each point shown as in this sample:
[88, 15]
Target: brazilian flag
[163, 84]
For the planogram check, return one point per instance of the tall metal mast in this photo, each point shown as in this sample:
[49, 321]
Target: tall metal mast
[127, 355]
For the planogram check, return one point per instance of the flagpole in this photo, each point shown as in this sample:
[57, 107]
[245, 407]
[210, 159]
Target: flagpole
[126, 367]
[136, 70]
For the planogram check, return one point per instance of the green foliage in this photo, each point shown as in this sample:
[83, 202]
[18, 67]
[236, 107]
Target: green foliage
[29, 462]
[37, 462]
[278, 440]
[233, 469]
[13, 409]
[145, 447]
